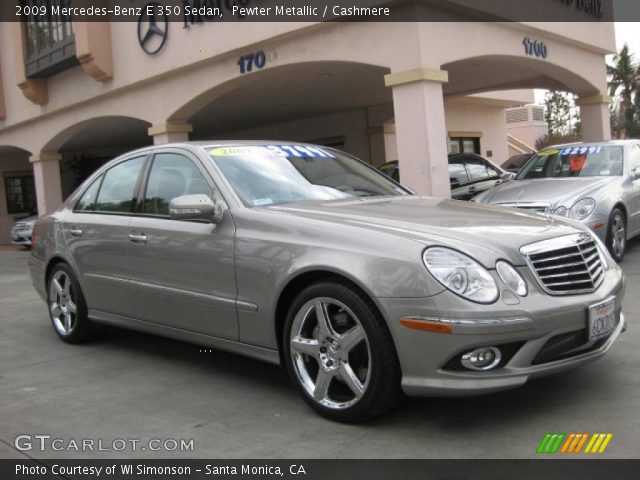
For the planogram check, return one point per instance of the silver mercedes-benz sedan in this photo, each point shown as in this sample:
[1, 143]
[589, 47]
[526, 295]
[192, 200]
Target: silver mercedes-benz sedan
[597, 184]
[302, 255]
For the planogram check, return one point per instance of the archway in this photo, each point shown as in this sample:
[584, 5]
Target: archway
[17, 188]
[332, 103]
[88, 144]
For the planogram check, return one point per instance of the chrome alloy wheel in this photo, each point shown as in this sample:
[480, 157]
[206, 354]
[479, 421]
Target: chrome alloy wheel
[330, 353]
[618, 235]
[62, 303]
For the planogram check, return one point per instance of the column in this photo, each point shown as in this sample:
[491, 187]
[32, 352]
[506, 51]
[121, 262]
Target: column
[46, 174]
[170, 132]
[594, 118]
[420, 130]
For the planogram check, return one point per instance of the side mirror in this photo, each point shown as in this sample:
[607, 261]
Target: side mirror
[195, 207]
[636, 173]
[508, 176]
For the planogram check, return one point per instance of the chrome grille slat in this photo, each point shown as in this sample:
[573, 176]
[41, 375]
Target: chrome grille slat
[567, 265]
[559, 257]
[555, 267]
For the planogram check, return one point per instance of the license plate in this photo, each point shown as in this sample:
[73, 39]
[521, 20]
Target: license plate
[602, 319]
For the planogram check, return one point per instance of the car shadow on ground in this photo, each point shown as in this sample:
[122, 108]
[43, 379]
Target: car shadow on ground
[538, 398]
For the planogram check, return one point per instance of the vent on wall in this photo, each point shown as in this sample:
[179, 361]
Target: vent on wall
[537, 114]
[528, 113]
[516, 115]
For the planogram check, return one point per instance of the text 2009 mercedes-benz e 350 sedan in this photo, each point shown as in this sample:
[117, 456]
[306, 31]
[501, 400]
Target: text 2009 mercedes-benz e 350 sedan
[303, 255]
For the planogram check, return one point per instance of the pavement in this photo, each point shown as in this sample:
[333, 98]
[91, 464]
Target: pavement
[128, 386]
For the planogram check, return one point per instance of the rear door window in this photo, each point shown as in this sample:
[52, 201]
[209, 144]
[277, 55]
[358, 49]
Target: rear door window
[87, 202]
[457, 173]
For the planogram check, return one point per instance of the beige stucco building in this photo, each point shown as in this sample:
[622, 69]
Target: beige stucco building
[382, 91]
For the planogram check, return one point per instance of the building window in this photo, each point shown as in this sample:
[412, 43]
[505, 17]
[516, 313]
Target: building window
[464, 145]
[21, 194]
[49, 40]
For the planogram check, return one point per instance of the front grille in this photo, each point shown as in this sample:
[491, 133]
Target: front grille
[566, 265]
[19, 227]
[531, 207]
[566, 345]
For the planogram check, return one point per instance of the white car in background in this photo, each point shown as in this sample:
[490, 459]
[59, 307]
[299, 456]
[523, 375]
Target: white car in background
[597, 184]
[22, 230]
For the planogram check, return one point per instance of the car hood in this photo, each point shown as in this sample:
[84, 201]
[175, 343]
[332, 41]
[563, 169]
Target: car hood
[28, 220]
[554, 191]
[484, 232]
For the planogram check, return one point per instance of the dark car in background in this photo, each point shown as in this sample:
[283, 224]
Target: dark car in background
[469, 174]
[516, 162]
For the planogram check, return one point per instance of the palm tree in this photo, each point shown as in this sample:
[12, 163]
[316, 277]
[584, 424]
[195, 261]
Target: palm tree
[624, 80]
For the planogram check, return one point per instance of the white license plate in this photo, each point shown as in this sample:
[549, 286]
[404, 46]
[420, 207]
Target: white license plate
[602, 319]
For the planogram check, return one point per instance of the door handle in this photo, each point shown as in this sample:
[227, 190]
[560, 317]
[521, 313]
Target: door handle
[138, 237]
[472, 189]
[75, 231]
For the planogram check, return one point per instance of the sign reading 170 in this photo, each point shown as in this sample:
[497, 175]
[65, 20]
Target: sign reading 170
[247, 62]
[256, 60]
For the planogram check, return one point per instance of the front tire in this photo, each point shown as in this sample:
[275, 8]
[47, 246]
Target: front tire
[340, 354]
[617, 234]
[67, 307]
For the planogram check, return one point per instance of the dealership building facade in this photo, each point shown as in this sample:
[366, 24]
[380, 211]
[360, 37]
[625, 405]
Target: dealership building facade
[73, 94]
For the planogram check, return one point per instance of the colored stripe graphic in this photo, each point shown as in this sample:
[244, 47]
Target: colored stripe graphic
[598, 443]
[550, 443]
[573, 443]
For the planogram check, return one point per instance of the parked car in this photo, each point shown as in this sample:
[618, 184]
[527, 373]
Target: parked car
[516, 162]
[21, 231]
[469, 174]
[597, 184]
[305, 256]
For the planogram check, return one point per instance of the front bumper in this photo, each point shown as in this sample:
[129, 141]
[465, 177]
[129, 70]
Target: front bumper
[425, 357]
[22, 238]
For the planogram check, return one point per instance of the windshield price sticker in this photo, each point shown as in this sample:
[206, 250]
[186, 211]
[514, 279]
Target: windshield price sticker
[580, 150]
[300, 151]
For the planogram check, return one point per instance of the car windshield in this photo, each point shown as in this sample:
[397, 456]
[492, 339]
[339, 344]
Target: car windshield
[575, 161]
[276, 174]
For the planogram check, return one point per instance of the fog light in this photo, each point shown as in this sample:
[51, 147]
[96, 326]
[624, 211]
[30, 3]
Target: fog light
[483, 358]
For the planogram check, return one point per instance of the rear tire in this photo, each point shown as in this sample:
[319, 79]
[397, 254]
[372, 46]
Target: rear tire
[339, 353]
[617, 234]
[67, 307]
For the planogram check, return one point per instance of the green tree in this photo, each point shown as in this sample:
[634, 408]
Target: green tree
[624, 81]
[561, 114]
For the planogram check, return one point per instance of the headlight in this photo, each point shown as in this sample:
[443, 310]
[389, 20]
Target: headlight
[461, 274]
[582, 208]
[511, 278]
[561, 211]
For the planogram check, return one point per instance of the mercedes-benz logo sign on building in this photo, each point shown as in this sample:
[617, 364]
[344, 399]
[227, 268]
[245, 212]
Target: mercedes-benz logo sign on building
[152, 29]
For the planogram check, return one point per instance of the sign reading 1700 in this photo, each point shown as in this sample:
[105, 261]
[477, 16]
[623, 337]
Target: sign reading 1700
[198, 11]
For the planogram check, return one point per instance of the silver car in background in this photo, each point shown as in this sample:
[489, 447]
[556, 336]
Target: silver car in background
[597, 184]
[22, 230]
[304, 256]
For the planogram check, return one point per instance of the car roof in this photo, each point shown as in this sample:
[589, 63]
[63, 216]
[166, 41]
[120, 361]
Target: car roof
[617, 142]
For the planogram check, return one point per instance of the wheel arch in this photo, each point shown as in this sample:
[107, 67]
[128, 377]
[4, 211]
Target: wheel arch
[301, 281]
[620, 205]
[53, 261]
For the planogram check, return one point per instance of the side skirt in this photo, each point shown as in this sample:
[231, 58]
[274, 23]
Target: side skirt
[253, 351]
